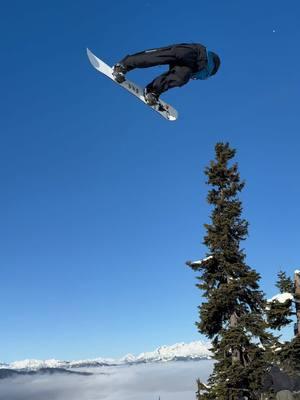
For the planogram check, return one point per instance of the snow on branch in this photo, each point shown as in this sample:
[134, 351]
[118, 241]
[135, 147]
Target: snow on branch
[281, 298]
[199, 262]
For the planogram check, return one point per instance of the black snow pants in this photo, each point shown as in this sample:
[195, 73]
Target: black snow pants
[183, 60]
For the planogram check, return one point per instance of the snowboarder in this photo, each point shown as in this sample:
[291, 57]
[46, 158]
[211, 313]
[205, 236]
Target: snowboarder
[186, 61]
[279, 382]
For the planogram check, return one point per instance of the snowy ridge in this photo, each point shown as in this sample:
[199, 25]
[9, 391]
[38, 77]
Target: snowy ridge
[193, 350]
[180, 351]
[35, 364]
[38, 364]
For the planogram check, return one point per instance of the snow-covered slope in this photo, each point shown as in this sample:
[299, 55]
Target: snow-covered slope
[179, 351]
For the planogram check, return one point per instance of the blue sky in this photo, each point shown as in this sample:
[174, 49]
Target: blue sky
[103, 201]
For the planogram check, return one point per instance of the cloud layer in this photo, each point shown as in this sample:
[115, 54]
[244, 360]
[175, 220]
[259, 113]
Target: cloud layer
[170, 381]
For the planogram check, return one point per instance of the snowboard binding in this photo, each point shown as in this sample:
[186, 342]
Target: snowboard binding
[119, 72]
[151, 98]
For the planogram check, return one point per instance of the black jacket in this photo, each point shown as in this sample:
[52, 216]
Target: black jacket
[199, 50]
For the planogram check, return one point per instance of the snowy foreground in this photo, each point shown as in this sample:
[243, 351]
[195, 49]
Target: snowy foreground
[174, 380]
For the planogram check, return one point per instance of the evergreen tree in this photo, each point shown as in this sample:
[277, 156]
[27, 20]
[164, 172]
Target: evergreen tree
[284, 283]
[279, 313]
[289, 356]
[232, 315]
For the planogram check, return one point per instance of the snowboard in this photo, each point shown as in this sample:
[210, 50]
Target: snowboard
[162, 108]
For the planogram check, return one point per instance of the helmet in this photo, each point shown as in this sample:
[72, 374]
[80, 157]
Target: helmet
[212, 66]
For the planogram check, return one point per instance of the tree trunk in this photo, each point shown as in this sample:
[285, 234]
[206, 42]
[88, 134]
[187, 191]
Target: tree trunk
[236, 356]
[297, 293]
[233, 320]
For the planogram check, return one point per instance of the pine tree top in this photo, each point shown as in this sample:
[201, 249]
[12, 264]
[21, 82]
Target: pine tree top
[284, 283]
[221, 175]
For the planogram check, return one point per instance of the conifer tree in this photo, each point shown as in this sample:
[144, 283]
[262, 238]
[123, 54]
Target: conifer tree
[290, 352]
[289, 356]
[284, 283]
[279, 312]
[279, 315]
[232, 314]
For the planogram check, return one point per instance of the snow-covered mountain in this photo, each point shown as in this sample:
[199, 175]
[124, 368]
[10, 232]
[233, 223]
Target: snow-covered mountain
[180, 351]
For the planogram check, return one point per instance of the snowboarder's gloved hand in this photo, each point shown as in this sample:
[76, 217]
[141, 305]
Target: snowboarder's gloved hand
[212, 66]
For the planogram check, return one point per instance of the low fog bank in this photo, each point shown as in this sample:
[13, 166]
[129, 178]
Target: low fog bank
[170, 381]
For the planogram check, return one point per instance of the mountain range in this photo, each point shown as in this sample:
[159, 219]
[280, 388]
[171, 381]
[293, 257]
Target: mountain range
[196, 350]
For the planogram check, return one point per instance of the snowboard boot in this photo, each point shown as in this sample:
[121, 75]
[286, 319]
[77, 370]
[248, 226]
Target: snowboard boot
[119, 72]
[151, 97]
